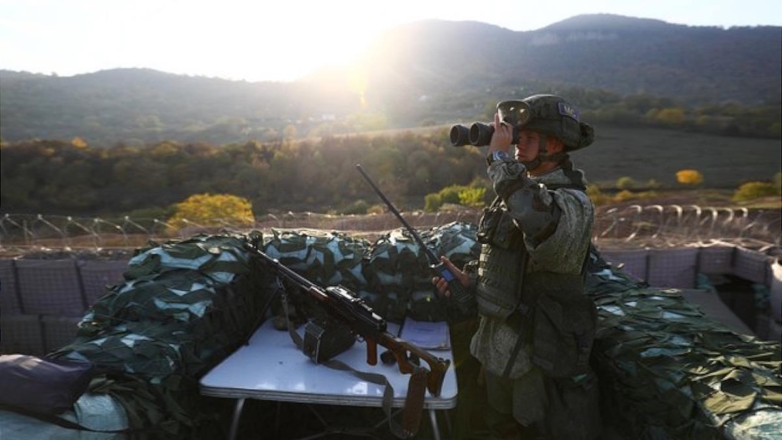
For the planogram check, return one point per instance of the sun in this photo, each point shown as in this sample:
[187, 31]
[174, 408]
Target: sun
[264, 41]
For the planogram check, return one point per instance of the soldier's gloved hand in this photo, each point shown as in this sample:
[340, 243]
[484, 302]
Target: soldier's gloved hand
[442, 285]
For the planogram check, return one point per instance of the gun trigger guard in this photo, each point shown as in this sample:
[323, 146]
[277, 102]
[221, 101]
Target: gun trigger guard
[405, 366]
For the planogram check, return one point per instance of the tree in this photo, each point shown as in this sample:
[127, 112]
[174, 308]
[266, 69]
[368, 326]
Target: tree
[673, 116]
[289, 132]
[209, 209]
[78, 142]
[689, 177]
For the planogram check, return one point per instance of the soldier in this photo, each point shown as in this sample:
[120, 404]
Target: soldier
[536, 325]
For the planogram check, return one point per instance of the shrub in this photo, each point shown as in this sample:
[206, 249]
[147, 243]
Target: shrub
[450, 194]
[357, 207]
[647, 195]
[432, 202]
[673, 116]
[653, 184]
[208, 210]
[689, 177]
[597, 197]
[78, 143]
[625, 182]
[755, 190]
[472, 195]
[377, 209]
[623, 196]
[151, 213]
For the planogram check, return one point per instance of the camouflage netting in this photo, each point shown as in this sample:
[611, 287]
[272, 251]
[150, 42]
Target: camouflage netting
[666, 371]
[325, 259]
[391, 274]
[399, 280]
[182, 308]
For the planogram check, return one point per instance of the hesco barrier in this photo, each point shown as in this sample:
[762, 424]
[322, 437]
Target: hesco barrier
[667, 370]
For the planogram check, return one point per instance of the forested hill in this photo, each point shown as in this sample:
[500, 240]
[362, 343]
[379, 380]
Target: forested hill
[620, 70]
[620, 54]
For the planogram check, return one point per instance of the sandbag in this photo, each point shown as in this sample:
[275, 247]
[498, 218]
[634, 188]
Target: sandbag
[42, 386]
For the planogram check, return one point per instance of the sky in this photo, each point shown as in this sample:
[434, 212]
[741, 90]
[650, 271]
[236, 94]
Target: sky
[273, 40]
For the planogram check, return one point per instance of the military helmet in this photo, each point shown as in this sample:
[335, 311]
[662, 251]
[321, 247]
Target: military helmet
[549, 114]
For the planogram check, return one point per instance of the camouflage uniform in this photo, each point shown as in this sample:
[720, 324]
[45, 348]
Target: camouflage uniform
[529, 283]
[562, 252]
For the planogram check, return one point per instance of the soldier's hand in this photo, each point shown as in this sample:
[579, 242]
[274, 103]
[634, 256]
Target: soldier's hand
[502, 137]
[442, 285]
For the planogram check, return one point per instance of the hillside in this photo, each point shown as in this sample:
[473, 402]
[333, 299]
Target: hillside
[620, 54]
[425, 73]
[57, 177]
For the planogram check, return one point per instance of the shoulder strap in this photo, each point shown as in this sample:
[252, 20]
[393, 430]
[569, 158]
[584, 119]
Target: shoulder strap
[414, 402]
[524, 306]
[576, 179]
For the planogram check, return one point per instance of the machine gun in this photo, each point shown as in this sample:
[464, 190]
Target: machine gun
[346, 307]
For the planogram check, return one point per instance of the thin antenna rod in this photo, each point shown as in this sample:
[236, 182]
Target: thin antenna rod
[432, 257]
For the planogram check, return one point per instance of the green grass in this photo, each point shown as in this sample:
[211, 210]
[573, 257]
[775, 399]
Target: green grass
[646, 153]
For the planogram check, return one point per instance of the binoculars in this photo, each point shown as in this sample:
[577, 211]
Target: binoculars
[514, 113]
[478, 135]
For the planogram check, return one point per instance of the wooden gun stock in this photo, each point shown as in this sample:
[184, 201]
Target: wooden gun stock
[400, 348]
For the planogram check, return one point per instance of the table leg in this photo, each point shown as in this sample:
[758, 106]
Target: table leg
[277, 419]
[435, 428]
[235, 419]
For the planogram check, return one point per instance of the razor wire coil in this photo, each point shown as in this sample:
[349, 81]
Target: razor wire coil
[631, 226]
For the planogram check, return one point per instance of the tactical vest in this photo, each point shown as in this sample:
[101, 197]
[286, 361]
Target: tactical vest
[502, 260]
[559, 319]
[502, 263]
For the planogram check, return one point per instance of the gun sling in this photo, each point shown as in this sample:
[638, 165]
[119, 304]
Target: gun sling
[414, 401]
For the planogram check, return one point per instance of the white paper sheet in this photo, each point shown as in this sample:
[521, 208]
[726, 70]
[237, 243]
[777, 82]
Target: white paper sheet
[427, 335]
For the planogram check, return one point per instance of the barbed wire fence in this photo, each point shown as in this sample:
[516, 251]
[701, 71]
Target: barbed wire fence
[631, 226]
[667, 226]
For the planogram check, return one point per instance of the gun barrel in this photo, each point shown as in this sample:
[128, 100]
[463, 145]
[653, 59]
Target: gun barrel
[432, 257]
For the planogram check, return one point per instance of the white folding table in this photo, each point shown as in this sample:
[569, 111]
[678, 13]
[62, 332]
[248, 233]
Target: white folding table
[270, 367]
